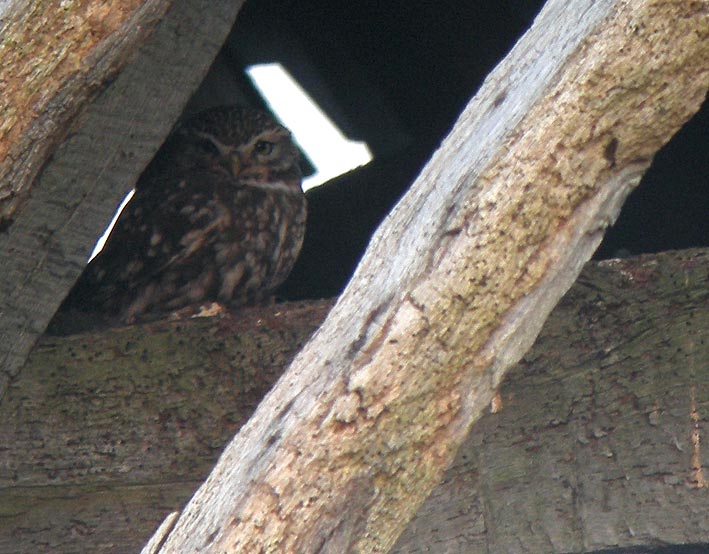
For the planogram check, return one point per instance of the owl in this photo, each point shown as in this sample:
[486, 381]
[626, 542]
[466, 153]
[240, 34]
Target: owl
[218, 215]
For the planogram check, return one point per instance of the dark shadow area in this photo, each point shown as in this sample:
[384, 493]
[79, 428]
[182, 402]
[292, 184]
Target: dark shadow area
[670, 208]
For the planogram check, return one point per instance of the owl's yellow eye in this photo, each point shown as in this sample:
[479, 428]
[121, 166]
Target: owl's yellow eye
[263, 147]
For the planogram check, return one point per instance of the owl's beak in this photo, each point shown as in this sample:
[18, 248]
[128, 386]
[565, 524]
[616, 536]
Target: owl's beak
[236, 164]
[246, 170]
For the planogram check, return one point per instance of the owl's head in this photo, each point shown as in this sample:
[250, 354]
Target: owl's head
[246, 143]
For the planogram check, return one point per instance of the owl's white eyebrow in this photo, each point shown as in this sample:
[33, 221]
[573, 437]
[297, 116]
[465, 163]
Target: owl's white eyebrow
[271, 135]
[223, 148]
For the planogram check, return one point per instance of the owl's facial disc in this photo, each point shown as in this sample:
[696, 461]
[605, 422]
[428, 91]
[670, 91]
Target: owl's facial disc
[265, 160]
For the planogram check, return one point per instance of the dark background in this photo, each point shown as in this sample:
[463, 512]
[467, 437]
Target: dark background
[397, 75]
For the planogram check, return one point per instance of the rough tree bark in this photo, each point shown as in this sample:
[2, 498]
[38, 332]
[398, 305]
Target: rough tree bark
[456, 284]
[55, 55]
[593, 443]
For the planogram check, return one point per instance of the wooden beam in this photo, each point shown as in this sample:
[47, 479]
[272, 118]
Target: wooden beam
[50, 234]
[105, 433]
[55, 56]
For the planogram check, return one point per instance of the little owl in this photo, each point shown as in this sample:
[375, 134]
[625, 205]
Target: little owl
[218, 215]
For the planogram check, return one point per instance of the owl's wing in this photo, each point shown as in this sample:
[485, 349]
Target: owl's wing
[166, 225]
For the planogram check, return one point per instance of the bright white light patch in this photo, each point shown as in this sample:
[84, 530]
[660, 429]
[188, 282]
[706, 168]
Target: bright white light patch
[102, 240]
[330, 151]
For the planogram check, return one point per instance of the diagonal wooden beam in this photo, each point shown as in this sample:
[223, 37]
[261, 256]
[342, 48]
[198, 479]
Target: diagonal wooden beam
[456, 283]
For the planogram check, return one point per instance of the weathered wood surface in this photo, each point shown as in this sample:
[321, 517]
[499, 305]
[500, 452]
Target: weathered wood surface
[597, 442]
[54, 56]
[50, 234]
[456, 283]
[103, 432]
[593, 444]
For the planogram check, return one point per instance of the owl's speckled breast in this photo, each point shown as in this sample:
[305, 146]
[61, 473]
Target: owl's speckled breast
[242, 245]
[270, 239]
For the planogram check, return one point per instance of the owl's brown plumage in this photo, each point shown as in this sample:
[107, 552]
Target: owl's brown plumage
[219, 215]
